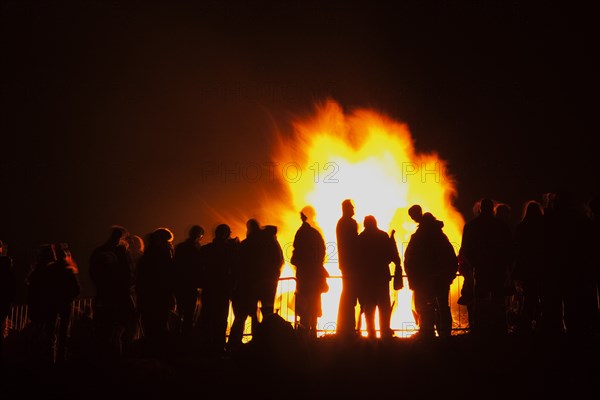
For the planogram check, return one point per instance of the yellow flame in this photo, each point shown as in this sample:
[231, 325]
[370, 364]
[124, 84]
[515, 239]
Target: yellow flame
[369, 158]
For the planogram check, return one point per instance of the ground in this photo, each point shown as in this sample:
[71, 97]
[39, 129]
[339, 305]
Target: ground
[462, 367]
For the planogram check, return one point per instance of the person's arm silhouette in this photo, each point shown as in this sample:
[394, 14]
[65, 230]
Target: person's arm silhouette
[398, 281]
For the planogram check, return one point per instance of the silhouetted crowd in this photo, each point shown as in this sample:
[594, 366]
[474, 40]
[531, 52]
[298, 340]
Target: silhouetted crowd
[546, 267]
[538, 276]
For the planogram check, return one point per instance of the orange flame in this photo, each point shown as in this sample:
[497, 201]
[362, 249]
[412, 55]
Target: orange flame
[369, 158]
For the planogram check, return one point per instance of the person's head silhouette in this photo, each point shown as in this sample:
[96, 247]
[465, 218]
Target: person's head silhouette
[486, 207]
[416, 213]
[252, 226]
[136, 243]
[370, 222]
[309, 213]
[196, 232]
[117, 234]
[222, 232]
[347, 208]
[163, 234]
[533, 209]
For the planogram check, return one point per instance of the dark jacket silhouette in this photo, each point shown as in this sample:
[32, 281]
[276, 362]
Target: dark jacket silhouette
[529, 264]
[376, 252]
[260, 264]
[220, 258]
[187, 263]
[487, 247]
[154, 290]
[569, 297]
[431, 264]
[311, 276]
[347, 242]
[268, 276]
[111, 272]
[53, 286]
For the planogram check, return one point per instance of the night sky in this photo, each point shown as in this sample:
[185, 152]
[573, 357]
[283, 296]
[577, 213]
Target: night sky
[113, 110]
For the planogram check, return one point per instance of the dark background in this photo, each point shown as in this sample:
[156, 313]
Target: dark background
[113, 110]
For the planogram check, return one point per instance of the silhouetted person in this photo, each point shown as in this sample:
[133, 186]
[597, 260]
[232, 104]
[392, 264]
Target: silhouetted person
[529, 265]
[111, 272]
[488, 247]
[53, 286]
[376, 252]
[261, 262]
[270, 271]
[465, 269]
[569, 299]
[416, 214]
[503, 212]
[187, 261]
[431, 265]
[41, 344]
[308, 257]
[347, 242]
[136, 249]
[154, 291]
[35, 294]
[8, 289]
[220, 258]
[244, 295]
[65, 281]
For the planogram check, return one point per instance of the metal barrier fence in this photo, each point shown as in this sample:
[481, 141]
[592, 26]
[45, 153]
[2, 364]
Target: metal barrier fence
[18, 317]
[402, 316]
